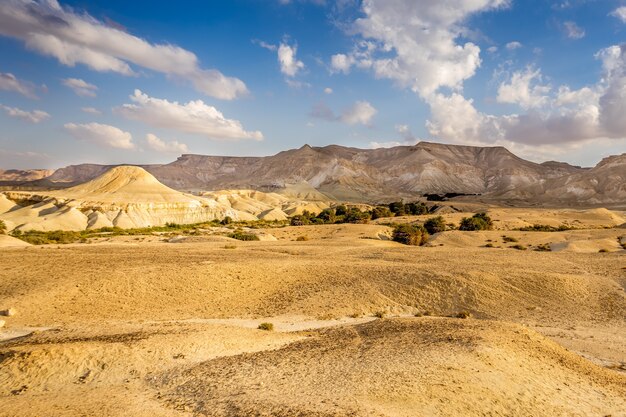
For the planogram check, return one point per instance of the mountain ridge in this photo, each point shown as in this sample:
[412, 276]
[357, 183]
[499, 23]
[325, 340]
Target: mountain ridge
[384, 174]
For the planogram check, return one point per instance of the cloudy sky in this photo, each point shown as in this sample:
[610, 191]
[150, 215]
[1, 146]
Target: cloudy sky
[142, 82]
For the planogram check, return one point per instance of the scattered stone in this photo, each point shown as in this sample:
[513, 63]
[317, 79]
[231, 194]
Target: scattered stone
[8, 312]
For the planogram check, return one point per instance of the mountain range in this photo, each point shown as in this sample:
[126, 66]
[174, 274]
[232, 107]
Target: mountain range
[384, 174]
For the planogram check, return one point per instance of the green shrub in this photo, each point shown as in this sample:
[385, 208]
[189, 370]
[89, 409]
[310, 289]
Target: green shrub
[381, 212]
[508, 239]
[299, 220]
[479, 221]
[416, 209]
[341, 210]
[60, 237]
[435, 225]
[379, 314]
[355, 215]
[266, 326]
[327, 216]
[241, 235]
[544, 228]
[397, 208]
[226, 220]
[409, 234]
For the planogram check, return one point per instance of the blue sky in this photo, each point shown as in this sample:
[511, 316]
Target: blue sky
[142, 82]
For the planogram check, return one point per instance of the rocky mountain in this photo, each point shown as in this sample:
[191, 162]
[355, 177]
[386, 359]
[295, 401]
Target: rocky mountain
[372, 175]
[19, 175]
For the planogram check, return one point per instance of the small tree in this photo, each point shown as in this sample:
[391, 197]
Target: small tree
[397, 208]
[299, 220]
[435, 225]
[341, 210]
[410, 234]
[354, 215]
[479, 221]
[416, 209]
[226, 220]
[327, 216]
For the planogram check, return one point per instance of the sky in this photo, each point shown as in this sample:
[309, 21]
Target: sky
[144, 81]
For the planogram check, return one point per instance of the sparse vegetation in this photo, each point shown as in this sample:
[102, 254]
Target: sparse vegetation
[435, 225]
[463, 315]
[479, 221]
[518, 247]
[409, 234]
[489, 245]
[230, 247]
[226, 220]
[266, 326]
[3, 227]
[543, 247]
[379, 314]
[302, 238]
[603, 250]
[509, 239]
[544, 228]
[241, 235]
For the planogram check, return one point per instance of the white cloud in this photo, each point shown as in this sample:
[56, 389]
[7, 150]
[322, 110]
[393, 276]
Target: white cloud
[80, 87]
[91, 110]
[100, 134]
[341, 63]
[160, 145]
[390, 144]
[193, 117]
[567, 118]
[511, 46]
[414, 42]
[492, 49]
[289, 64]
[73, 38]
[35, 116]
[620, 13]
[524, 90]
[328, 90]
[10, 82]
[573, 31]
[361, 112]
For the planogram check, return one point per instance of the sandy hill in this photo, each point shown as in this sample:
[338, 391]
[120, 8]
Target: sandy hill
[368, 175]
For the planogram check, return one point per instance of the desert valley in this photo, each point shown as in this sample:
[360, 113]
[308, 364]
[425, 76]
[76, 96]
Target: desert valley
[124, 296]
[313, 208]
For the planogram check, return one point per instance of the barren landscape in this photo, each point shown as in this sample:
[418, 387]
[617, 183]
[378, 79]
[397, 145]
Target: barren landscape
[166, 323]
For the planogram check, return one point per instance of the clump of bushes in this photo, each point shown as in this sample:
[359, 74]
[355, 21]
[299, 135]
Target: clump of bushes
[380, 212]
[435, 225]
[410, 234]
[544, 247]
[379, 314]
[518, 247]
[59, 237]
[489, 245]
[544, 228]
[226, 220]
[509, 239]
[266, 326]
[479, 221]
[241, 235]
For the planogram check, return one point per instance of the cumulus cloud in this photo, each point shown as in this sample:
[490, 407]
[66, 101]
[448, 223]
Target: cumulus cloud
[566, 118]
[511, 46]
[289, 64]
[72, 38]
[193, 117]
[524, 89]
[620, 13]
[415, 42]
[361, 112]
[91, 110]
[80, 87]
[573, 31]
[160, 145]
[35, 116]
[328, 90]
[100, 134]
[10, 82]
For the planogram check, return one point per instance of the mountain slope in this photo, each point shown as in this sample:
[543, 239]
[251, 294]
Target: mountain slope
[373, 175]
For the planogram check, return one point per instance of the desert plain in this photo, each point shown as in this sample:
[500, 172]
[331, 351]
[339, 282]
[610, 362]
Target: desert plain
[166, 324]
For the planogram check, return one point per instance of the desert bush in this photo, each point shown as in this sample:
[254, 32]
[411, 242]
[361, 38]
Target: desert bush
[341, 210]
[61, 237]
[603, 251]
[479, 221]
[409, 234]
[397, 208]
[328, 216]
[416, 209]
[463, 315]
[3, 227]
[379, 314]
[544, 247]
[241, 235]
[299, 220]
[354, 215]
[381, 212]
[509, 239]
[489, 245]
[435, 225]
[266, 326]
[518, 247]
[226, 220]
[545, 228]
[302, 238]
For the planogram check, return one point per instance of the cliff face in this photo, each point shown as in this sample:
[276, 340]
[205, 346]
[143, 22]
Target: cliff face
[370, 175]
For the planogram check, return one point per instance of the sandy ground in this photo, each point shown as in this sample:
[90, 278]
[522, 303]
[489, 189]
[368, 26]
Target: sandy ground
[138, 326]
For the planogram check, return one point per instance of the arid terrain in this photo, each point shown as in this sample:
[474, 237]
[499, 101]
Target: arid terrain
[165, 324]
